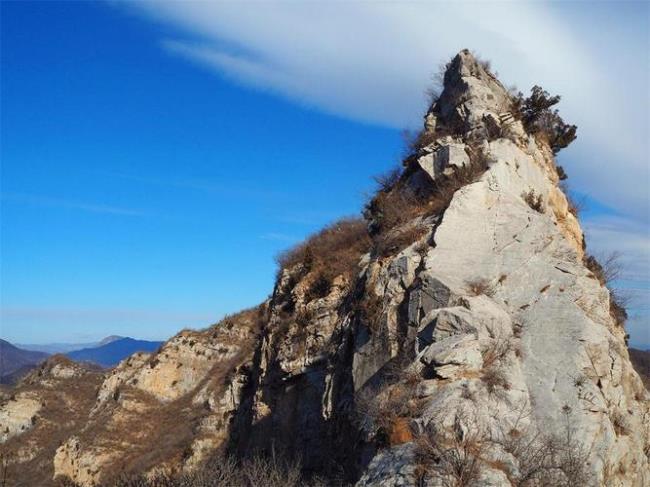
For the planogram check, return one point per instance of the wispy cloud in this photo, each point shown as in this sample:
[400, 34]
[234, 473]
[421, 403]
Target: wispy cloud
[31, 199]
[608, 233]
[371, 61]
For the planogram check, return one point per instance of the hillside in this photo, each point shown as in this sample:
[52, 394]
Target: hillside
[458, 335]
[15, 361]
[112, 351]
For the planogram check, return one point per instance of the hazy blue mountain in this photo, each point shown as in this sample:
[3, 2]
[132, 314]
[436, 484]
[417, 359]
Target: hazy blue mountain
[13, 359]
[112, 353]
[53, 348]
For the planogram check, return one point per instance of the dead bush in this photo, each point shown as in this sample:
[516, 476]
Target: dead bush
[607, 270]
[499, 349]
[397, 240]
[620, 424]
[369, 309]
[543, 460]
[534, 200]
[384, 409]
[494, 378]
[386, 211]
[332, 252]
[453, 458]
[319, 288]
[479, 286]
[389, 210]
[220, 471]
[387, 180]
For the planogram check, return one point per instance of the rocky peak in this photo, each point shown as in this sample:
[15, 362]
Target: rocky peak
[472, 99]
[464, 338]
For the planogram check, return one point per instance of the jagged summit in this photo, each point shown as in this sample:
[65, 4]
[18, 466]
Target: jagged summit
[458, 335]
[470, 97]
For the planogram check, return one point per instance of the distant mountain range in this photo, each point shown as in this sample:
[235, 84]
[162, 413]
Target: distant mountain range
[16, 361]
[111, 353]
[53, 348]
[13, 360]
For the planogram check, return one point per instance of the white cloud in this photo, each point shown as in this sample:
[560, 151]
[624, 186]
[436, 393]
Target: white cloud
[371, 61]
[607, 234]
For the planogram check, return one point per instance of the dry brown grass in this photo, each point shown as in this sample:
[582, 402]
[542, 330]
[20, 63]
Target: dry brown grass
[389, 211]
[221, 471]
[453, 458]
[494, 379]
[398, 239]
[369, 309]
[332, 252]
[620, 424]
[65, 409]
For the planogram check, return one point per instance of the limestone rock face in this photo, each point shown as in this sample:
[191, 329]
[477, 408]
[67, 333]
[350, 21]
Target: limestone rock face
[16, 415]
[469, 339]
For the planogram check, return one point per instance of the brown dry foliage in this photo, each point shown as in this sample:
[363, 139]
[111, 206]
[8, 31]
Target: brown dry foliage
[534, 200]
[454, 456]
[388, 211]
[494, 379]
[479, 286]
[221, 471]
[607, 270]
[332, 252]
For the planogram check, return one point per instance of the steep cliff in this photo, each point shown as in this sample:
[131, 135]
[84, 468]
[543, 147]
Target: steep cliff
[458, 335]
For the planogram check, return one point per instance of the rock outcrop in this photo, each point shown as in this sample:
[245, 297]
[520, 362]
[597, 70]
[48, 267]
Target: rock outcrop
[463, 340]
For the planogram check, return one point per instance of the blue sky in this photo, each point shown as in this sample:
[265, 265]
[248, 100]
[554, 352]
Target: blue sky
[156, 156]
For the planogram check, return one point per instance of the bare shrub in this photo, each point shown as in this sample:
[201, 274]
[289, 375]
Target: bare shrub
[387, 180]
[494, 378]
[219, 471]
[319, 288]
[271, 472]
[454, 457]
[387, 211]
[386, 408]
[620, 424]
[479, 286]
[398, 239]
[606, 270]
[499, 349]
[534, 200]
[332, 252]
[368, 310]
[543, 460]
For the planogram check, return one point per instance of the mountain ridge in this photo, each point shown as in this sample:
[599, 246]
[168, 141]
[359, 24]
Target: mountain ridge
[109, 352]
[13, 359]
[460, 332]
